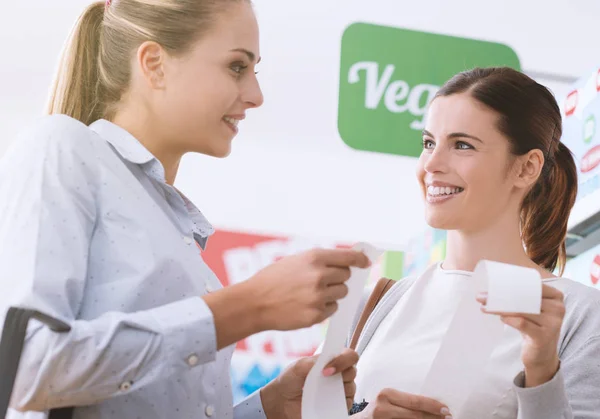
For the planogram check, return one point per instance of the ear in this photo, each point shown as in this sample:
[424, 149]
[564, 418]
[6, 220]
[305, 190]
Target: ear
[528, 168]
[151, 61]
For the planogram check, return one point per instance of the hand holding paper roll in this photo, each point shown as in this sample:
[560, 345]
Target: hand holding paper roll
[392, 404]
[304, 289]
[540, 335]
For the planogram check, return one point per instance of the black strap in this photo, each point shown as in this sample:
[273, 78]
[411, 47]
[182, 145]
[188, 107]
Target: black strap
[11, 347]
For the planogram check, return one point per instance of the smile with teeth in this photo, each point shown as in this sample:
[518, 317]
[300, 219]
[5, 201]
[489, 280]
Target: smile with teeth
[231, 121]
[435, 191]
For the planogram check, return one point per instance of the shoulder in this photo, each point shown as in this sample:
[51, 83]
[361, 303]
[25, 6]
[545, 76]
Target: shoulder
[53, 150]
[582, 316]
[53, 142]
[578, 297]
[55, 133]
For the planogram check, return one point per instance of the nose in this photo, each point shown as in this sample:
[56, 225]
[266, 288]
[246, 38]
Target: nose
[436, 161]
[252, 95]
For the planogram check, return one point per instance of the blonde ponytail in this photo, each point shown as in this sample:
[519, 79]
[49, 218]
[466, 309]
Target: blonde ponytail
[76, 90]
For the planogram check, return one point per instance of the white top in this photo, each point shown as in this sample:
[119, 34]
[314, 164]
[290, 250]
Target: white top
[403, 347]
[91, 234]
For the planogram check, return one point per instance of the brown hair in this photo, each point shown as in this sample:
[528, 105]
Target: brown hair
[531, 119]
[94, 70]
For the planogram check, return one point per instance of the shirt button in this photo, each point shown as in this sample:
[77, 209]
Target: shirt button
[126, 386]
[188, 240]
[210, 410]
[192, 360]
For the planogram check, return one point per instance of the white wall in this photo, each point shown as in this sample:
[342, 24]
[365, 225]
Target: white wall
[290, 172]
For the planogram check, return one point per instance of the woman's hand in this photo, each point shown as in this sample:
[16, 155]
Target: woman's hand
[392, 404]
[540, 335]
[302, 290]
[282, 398]
[293, 293]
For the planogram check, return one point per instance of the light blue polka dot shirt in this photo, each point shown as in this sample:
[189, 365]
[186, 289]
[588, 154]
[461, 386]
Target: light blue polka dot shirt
[90, 233]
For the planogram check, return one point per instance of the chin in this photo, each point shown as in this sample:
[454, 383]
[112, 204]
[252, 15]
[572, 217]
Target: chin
[218, 152]
[441, 221]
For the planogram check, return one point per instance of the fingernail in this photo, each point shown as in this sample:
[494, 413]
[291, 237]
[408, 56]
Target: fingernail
[445, 411]
[328, 372]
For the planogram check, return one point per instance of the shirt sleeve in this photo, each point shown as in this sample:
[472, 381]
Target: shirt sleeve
[250, 408]
[571, 394]
[48, 183]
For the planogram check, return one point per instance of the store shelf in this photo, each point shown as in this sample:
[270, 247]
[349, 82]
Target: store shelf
[584, 236]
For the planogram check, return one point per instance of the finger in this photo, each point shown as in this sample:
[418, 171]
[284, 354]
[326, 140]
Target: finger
[334, 276]
[349, 403]
[350, 389]
[482, 297]
[390, 411]
[414, 402]
[328, 311]
[551, 293]
[523, 325]
[343, 258]
[553, 307]
[349, 375]
[303, 366]
[550, 311]
[550, 298]
[346, 360]
[536, 319]
[335, 292]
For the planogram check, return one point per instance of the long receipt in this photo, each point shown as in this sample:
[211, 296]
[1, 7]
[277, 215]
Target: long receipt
[472, 335]
[324, 397]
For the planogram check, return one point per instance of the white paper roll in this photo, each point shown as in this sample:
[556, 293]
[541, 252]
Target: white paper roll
[324, 397]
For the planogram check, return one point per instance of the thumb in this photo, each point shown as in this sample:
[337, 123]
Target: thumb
[303, 366]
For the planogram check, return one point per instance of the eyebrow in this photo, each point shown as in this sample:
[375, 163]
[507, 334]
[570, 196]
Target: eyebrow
[250, 54]
[455, 135]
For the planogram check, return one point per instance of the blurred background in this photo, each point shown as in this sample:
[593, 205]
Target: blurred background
[330, 158]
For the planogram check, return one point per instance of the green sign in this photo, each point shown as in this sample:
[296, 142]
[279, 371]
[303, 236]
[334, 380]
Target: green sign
[389, 75]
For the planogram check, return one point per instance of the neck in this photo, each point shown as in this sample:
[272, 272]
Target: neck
[500, 242]
[139, 123]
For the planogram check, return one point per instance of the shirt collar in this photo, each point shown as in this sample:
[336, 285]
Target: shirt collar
[126, 144]
[133, 151]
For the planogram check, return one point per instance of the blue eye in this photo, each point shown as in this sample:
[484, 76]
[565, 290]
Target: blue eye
[464, 146]
[427, 144]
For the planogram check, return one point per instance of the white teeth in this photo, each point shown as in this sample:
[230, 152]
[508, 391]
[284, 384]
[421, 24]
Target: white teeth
[444, 190]
[232, 121]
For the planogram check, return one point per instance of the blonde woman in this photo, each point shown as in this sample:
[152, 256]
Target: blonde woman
[92, 231]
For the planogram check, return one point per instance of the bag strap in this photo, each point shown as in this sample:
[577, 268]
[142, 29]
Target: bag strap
[381, 288]
[11, 348]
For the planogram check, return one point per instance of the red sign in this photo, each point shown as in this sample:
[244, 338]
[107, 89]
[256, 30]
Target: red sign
[571, 102]
[235, 257]
[590, 160]
[595, 270]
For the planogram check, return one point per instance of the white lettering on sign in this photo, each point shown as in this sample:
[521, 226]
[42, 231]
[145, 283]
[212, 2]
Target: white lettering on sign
[398, 96]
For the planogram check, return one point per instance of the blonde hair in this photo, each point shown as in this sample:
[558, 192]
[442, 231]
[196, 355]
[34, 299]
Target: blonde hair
[94, 70]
